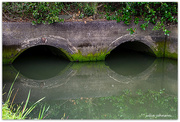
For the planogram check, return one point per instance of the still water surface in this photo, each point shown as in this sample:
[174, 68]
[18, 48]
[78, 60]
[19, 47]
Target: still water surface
[127, 86]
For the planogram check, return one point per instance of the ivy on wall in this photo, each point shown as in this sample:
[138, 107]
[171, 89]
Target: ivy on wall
[161, 14]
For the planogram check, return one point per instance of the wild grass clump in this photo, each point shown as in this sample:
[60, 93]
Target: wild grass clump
[19, 112]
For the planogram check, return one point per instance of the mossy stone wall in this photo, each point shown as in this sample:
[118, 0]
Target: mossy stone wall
[79, 41]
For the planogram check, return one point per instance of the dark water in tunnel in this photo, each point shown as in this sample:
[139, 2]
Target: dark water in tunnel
[128, 85]
[131, 63]
[34, 63]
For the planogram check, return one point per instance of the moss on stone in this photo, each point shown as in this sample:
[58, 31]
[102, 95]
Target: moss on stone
[168, 53]
[163, 51]
[68, 55]
[10, 53]
[89, 57]
[171, 55]
[159, 51]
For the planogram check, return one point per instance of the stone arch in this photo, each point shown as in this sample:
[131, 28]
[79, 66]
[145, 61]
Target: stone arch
[147, 40]
[58, 42]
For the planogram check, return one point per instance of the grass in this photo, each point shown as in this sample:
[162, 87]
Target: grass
[9, 112]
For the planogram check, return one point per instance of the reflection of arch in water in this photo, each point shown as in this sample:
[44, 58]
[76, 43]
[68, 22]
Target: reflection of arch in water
[128, 59]
[83, 70]
[90, 71]
[128, 79]
[40, 62]
[59, 79]
[88, 80]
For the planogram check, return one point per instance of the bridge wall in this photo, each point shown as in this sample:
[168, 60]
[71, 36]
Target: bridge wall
[84, 42]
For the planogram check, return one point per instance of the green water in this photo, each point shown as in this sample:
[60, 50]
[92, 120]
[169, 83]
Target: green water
[126, 86]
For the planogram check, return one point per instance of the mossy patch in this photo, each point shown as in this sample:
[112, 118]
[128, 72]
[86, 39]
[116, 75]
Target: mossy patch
[89, 57]
[168, 53]
[66, 54]
[171, 55]
[100, 56]
[162, 50]
[10, 53]
[159, 51]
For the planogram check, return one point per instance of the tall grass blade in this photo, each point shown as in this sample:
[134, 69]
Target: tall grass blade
[26, 112]
[41, 114]
[13, 99]
[47, 109]
[27, 100]
[10, 90]
[46, 112]
[4, 86]
[39, 100]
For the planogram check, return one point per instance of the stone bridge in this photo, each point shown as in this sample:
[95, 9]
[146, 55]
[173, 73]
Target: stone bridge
[89, 41]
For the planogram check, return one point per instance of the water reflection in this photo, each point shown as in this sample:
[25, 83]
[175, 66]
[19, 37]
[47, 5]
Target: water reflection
[38, 69]
[40, 62]
[93, 79]
[129, 63]
[124, 87]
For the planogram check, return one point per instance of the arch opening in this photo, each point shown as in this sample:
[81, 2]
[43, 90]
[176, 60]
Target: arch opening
[41, 62]
[130, 58]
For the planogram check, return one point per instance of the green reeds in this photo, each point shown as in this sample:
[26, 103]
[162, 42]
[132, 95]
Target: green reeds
[42, 113]
[8, 112]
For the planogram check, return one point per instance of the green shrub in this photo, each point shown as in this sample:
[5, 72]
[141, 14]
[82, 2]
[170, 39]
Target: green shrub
[88, 10]
[160, 14]
[165, 12]
[47, 12]
[40, 12]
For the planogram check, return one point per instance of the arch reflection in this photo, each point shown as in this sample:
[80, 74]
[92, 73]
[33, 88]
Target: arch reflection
[129, 58]
[40, 62]
[93, 79]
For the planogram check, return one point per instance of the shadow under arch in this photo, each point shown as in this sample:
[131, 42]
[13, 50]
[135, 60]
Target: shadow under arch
[133, 57]
[10, 53]
[146, 40]
[41, 62]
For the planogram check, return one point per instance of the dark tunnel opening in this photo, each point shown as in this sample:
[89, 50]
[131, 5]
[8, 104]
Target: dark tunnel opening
[132, 58]
[41, 62]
